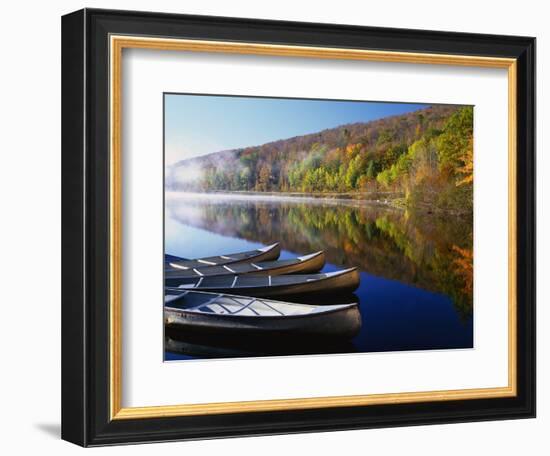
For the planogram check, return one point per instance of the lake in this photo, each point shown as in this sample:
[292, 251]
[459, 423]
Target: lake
[416, 268]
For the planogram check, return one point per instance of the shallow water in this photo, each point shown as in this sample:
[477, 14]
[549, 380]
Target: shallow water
[416, 269]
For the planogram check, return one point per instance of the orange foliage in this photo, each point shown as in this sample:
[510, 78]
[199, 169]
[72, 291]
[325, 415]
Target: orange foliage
[468, 169]
[464, 264]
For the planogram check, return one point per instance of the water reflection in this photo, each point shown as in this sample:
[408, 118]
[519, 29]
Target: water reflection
[427, 251]
[184, 346]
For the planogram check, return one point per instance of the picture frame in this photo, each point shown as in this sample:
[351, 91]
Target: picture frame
[92, 366]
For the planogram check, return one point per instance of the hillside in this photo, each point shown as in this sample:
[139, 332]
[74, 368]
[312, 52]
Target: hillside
[425, 155]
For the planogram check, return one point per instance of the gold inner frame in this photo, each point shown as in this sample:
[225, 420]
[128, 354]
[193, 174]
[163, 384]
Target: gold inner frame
[117, 44]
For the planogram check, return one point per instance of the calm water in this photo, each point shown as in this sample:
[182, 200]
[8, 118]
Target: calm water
[416, 269]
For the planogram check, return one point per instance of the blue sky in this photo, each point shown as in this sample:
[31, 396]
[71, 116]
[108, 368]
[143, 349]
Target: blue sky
[198, 124]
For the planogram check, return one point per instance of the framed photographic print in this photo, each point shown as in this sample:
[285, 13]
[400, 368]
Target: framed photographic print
[275, 227]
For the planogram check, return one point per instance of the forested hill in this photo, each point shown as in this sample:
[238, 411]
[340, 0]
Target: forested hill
[426, 154]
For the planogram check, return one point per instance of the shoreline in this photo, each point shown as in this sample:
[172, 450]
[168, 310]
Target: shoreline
[389, 200]
[361, 196]
[382, 199]
[355, 196]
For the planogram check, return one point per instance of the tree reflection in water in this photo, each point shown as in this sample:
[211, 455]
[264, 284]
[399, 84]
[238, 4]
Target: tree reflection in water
[429, 251]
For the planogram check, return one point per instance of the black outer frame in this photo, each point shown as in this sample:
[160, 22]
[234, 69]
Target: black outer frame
[85, 227]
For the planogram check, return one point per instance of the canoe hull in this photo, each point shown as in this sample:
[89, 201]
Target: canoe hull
[306, 265]
[336, 284]
[270, 253]
[344, 323]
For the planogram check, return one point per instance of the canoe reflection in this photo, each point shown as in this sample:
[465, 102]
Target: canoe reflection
[213, 346]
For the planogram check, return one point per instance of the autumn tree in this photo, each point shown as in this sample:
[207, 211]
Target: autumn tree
[426, 155]
[264, 178]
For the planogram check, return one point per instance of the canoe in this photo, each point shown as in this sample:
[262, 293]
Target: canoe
[345, 281]
[271, 252]
[301, 265]
[218, 313]
[172, 258]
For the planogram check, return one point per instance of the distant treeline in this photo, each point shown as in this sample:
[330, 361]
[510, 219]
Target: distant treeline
[426, 155]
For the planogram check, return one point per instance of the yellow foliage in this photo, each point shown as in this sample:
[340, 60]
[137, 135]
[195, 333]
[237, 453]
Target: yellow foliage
[464, 267]
[467, 170]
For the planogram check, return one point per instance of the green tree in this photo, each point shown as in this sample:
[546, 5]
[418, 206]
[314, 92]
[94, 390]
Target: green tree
[453, 143]
[245, 178]
[370, 170]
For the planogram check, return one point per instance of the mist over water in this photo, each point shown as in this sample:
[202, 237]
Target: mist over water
[416, 269]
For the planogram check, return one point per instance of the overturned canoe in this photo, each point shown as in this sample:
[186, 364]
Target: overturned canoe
[301, 265]
[219, 313]
[345, 281]
[271, 252]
